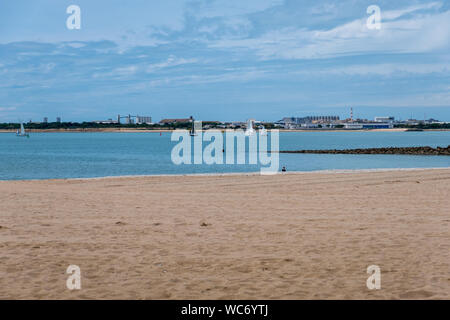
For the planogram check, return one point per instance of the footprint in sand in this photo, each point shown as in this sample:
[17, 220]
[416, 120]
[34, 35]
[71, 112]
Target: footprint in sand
[417, 294]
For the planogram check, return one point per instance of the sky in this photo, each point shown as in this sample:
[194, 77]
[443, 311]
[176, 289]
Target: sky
[225, 60]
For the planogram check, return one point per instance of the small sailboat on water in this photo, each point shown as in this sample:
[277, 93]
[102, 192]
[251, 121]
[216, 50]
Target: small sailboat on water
[21, 132]
[262, 130]
[193, 132]
[250, 131]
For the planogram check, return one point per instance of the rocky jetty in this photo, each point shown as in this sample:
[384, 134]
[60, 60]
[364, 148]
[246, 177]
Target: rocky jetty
[422, 151]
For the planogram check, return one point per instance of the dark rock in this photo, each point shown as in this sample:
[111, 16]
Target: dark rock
[439, 151]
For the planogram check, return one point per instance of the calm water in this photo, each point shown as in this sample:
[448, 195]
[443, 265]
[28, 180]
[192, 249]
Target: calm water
[79, 155]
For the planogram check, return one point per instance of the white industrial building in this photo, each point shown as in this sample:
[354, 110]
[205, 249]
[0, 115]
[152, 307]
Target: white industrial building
[369, 125]
[143, 120]
[384, 119]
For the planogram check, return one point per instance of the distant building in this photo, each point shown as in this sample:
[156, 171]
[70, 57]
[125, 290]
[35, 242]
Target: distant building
[431, 121]
[109, 121]
[129, 120]
[309, 125]
[353, 125]
[173, 121]
[309, 119]
[312, 119]
[45, 120]
[289, 120]
[143, 120]
[58, 119]
[236, 125]
[412, 122]
[384, 119]
[299, 122]
[369, 125]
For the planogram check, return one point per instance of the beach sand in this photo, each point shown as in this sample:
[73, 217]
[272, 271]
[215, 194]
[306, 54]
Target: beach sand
[291, 236]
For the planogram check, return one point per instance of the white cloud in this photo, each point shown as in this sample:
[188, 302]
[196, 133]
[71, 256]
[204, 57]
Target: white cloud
[324, 8]
[125, 71]
[130, 70]
[394, 14]
[423, 100]
[239, 75]
[117, 73]
[213, 9]
[380, 69]
[171, 61]
[416, 34]
[210, 29]
[7, 109]
[75, 44]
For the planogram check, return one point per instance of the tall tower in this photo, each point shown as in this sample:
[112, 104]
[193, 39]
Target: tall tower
[351, 114]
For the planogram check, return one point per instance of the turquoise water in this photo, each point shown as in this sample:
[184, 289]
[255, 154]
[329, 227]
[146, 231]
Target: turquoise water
[83, 155]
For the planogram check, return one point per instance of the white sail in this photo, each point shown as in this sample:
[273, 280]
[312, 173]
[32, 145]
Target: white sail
[262, 131]
[250, 131]
[21, 132]
[193, 131]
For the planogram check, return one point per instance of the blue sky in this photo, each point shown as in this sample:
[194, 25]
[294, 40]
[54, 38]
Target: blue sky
[223, 60]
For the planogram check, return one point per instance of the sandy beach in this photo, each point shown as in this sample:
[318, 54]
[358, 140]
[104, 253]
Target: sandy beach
[291, 236]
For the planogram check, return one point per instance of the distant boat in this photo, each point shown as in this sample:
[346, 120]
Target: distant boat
[262, 130]
[250, 131]
[21, 132]
[192, 132]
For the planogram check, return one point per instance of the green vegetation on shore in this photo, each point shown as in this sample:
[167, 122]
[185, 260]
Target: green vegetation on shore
[94, 125]
[90, 125]
[173, 126]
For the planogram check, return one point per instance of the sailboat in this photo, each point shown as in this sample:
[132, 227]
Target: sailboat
[22, 132]
[192, 132]
[249, 131]
[262, 130]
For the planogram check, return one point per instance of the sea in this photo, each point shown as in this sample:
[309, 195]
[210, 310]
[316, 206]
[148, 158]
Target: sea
[87, 155]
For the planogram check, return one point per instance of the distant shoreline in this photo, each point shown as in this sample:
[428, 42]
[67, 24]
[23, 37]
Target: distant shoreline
[126, 130]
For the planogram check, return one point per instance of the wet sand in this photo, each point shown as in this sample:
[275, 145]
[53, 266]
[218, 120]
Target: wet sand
[291, 236]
